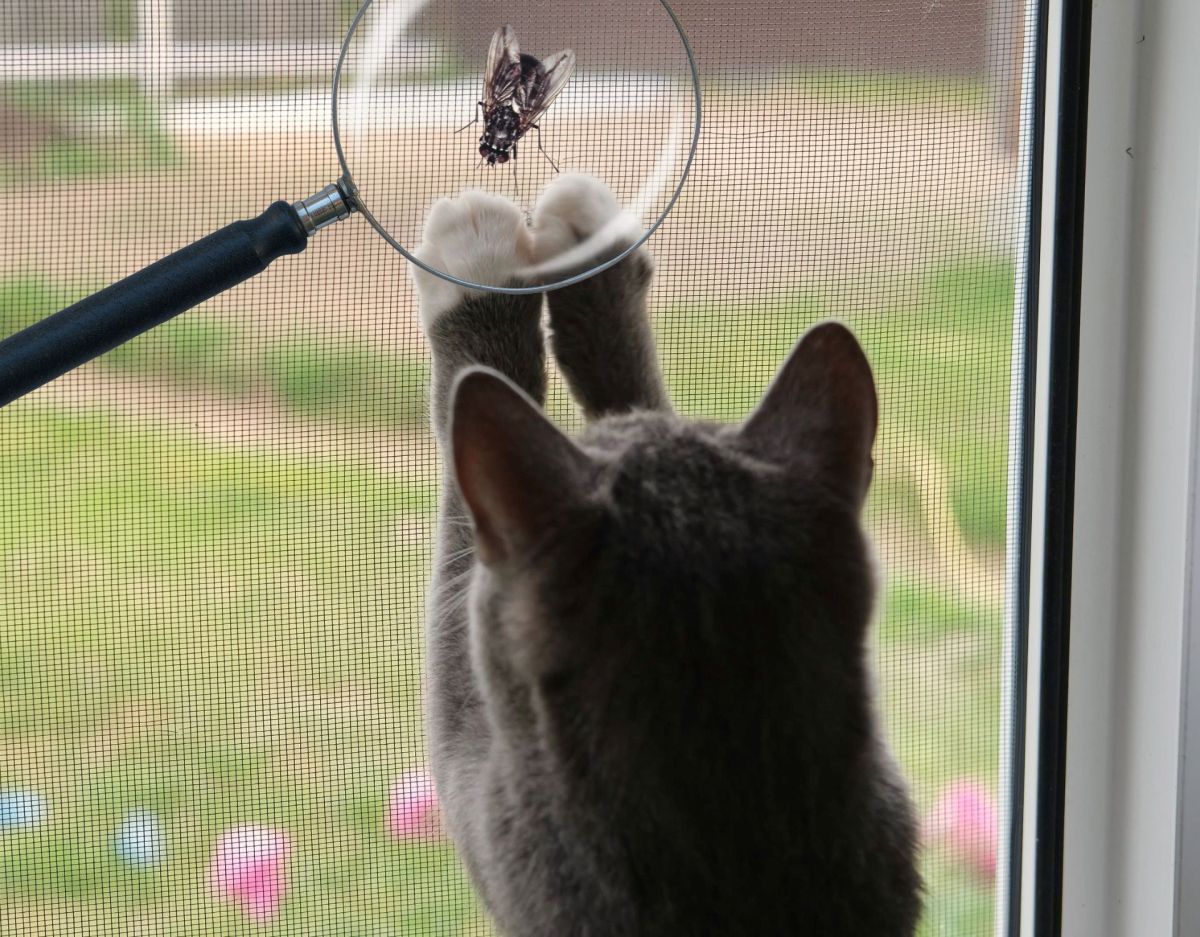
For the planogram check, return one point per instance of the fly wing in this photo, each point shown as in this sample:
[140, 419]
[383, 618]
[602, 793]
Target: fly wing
[502, 73]
[534, 96]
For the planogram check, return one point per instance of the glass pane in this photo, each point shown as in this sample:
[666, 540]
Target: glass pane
[217, 538]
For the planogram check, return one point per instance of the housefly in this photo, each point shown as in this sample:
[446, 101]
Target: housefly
[517, 89]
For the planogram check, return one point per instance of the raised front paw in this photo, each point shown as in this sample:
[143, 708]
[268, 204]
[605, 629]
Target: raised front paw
[577, 223]
[478, 237]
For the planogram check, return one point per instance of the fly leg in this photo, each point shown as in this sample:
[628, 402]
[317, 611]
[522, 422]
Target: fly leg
[542, 148]
[516, 175]
[478, 108]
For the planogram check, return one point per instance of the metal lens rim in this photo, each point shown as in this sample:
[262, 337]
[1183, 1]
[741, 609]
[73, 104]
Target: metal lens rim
[350, 188]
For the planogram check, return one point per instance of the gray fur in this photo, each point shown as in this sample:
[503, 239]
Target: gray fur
[649, 701]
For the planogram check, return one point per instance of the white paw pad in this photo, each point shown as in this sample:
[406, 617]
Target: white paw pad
[578, 218]
[478, 237]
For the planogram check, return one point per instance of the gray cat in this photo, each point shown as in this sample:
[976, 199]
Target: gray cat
[650, 710]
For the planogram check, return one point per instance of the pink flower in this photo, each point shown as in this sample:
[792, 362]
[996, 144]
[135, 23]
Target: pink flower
[412, 811]
[249, 868]
[965, 822]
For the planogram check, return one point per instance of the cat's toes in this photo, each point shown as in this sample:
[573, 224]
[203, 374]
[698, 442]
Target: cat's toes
[579, 215]
[478, 237]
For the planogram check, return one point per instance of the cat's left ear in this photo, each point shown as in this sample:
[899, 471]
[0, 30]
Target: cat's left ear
[821, 412]
[517, 472]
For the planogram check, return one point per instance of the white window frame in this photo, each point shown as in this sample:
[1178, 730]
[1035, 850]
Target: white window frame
[1131, 839]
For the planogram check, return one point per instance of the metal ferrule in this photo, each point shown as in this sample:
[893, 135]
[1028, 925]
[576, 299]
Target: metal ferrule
[323, 209]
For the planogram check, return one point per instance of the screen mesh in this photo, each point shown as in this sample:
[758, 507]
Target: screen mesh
[216, 539]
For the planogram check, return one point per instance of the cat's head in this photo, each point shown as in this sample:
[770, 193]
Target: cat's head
[661, 579]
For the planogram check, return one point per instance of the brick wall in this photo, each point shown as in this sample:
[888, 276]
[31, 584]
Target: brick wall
[939, 36]
[946, 37]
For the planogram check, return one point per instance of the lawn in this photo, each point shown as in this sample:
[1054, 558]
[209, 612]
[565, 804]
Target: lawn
[941, 354]
[81, 128]
[348, 380]
[226, 636]
[212, 636]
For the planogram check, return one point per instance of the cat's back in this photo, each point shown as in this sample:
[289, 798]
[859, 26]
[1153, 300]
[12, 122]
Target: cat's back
[706, 754]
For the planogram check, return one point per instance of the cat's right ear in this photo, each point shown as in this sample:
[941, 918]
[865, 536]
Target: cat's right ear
[820, 412]
[516, 470]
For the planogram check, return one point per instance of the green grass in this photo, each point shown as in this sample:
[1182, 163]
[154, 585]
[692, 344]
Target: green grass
[914, 614]
[120, 20]
[349, 382]
[92, 127]
[228, 637]
[344, 381]
[191, 351]
[26, 298]
[940, 662]
[217, 630]
[208, 591]
[941, 355]
[956, 903]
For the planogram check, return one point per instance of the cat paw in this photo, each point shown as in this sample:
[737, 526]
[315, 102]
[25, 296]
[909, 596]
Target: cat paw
[477, 237]
[578, 220]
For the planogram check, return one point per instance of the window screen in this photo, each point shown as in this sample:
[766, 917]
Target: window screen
[216, 539]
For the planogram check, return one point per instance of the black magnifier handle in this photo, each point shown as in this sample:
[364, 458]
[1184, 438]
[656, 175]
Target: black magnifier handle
[104, 320]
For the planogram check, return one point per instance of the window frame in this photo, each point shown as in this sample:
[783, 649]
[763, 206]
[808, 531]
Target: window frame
[1112, 785]
[1045, 415]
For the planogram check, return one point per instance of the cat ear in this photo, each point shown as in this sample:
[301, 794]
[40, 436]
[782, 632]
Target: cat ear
[516, 471]
[821, 411]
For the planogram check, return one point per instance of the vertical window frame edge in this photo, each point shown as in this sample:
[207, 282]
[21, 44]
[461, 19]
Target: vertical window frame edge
[1045, 724]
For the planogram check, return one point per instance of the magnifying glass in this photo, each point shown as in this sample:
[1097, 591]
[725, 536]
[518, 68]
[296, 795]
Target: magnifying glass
[429, 98]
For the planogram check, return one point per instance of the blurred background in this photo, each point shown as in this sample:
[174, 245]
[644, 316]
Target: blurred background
[215, 540]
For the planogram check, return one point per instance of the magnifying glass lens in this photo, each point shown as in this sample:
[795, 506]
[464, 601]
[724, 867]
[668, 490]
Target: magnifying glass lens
[434, 98]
